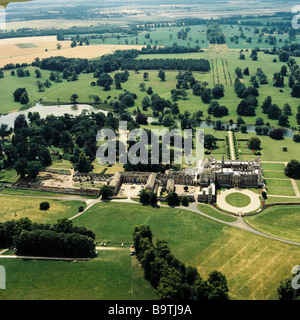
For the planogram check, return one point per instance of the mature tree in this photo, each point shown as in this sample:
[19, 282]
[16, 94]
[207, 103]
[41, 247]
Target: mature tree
[254, 143]
[292, 169]
[74, 97]
[173, 199]
[218, 91]
[296, 90]
[276, 134]
[296, 136]
[33, 168]
[23, 98]
[209, 141]
[144, 196]
[283, 121]
[286, 291]
[287, 110]
[162, 75]
[141, 118]
[105, 191]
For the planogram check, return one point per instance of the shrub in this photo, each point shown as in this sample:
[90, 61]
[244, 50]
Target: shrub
[44, 206]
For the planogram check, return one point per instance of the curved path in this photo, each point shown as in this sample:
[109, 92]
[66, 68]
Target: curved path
[253, 205]
[193, 207]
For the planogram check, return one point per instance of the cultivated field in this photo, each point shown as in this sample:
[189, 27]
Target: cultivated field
[10, 52]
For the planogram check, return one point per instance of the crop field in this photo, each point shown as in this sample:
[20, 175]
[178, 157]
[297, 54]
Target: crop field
[21, 50]
[246, 259]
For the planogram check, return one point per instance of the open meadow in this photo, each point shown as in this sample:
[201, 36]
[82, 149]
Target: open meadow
[202, 243]
[113, 275]
[14, 208]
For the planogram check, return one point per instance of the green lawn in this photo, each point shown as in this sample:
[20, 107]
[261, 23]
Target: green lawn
[281, 191]
[113, 275]
[275, 175]
[280, 221]
[9, 84]
[273, 166]
[16, 208]
[272, 149]
[282, 200]
[203, 243]
[238, 200]
[278, 183]
[216, 214]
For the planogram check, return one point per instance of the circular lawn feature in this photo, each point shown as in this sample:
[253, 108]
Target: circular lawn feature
[238, 199]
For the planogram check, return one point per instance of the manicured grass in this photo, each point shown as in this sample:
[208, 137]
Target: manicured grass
[276, 175]
[216, 214]
[278, 183]
[280, 221]
[281, 191]
[113, 275]
[238, 200]
[273, 166]
[282, 200]
[202, 243]
[16, 208]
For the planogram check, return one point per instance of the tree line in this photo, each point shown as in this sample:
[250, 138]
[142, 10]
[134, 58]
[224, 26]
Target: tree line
[61, 239]
[171, 279]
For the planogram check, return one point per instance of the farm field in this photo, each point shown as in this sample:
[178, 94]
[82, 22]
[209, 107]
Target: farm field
[203, 243]
[11, 50]
[13, 208]
[278, 221]
[113, 275]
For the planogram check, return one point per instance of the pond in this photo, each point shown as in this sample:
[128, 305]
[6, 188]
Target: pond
[60, 110]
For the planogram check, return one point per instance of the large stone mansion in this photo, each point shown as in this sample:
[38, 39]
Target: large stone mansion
[204, 181]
